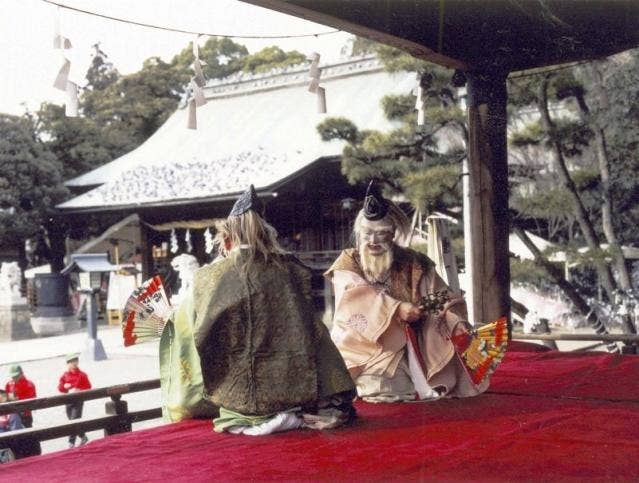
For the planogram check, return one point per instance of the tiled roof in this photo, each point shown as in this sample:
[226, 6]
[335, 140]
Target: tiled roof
[254, 129]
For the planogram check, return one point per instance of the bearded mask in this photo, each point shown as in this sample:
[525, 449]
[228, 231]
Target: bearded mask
[375, 242]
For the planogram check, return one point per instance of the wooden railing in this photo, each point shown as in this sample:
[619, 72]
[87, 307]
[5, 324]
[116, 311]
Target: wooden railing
[630, 346]
[630, 338]
[117, 420]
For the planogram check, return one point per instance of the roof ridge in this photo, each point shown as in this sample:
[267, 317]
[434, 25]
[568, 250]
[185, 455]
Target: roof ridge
[242, 82]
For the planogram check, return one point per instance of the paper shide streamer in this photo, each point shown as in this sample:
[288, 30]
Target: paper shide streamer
[419, 102]
[313, 86]
[208, 241]
[173, 242]
[198, 81]
[187, 240]
[62, 81]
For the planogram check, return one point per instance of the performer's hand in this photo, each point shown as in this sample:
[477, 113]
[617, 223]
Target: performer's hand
[462, 327]
[409, 312]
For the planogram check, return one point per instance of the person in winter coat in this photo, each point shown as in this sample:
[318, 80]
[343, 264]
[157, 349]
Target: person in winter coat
[74, 380]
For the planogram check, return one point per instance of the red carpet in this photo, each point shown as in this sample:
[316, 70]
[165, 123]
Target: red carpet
[548, 416]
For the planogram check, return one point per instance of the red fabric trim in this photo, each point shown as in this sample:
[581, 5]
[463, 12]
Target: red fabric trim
[411, 338]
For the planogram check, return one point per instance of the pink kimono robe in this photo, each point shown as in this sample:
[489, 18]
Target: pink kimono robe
[371, 337]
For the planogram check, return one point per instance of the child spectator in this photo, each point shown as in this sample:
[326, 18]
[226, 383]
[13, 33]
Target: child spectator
[8, 422]
[18, 388]
[74, 380]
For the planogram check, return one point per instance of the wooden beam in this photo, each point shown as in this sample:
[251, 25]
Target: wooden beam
[145, 249]
[488, 186]
[315, 15]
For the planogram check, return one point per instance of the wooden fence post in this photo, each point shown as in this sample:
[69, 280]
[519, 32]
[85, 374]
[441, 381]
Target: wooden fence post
[116, 406]
[544, 328]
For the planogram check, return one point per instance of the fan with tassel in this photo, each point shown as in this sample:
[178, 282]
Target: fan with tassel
[146, 312]
[479, 350]
[482, 349]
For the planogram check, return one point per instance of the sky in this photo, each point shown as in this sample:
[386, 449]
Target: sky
[29, 64]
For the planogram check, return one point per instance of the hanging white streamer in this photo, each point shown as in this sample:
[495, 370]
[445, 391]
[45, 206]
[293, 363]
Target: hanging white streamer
[198, 94]
[174, 242]
[71, 109]
[62, 81]
[192, 115]
[187, 239]
[314, 84]
[62, 78]
[59, 42]
[321, 100]
[315, 72]
[208, 241]
[419, 105]
[197, 64]
[198, 81]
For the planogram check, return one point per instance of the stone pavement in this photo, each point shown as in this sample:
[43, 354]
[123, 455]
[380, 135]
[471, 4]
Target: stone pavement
[42, 360]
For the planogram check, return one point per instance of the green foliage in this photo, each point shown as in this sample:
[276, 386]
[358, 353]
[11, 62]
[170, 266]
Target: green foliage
[30, 181]
[132, 109]
[396, 60]
[574, 136]
[362, 46]
[527, 272]
[530, 134]
[585, 178]
[438, 184]
[443, 115]
[76, 142]
[406, 158]
[338, 128]
[222, 57]
[101, 73]
[399, 107]
[270, 58]
[543, 201]
[620, 120]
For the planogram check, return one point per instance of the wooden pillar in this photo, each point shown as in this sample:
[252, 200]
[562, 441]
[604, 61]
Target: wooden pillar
[145, 250]
[488, 186]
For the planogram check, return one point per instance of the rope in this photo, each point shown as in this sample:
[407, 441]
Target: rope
[182, 31]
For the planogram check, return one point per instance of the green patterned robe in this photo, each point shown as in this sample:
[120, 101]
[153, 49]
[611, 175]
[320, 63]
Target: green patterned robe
[180, 374]
[262, 350]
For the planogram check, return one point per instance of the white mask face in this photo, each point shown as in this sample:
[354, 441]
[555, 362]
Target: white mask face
[376, 237]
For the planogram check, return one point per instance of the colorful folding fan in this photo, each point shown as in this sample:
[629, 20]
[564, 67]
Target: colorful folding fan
[481, 350]
[146, 312]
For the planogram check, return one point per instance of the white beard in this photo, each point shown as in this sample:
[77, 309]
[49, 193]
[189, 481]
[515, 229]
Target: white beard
[376, 267]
